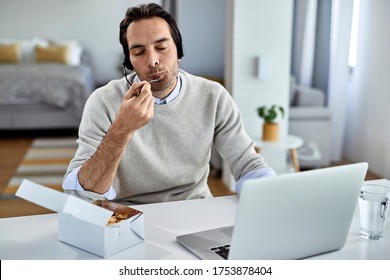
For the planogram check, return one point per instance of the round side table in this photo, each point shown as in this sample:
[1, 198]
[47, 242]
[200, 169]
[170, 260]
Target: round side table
[290, 143]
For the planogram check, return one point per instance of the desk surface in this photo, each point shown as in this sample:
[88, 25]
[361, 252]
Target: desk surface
[35, 237]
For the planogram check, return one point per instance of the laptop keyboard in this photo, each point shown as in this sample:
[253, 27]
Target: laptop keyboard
[223, 251]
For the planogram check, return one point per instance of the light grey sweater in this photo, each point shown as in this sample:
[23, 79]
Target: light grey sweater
[168, 159]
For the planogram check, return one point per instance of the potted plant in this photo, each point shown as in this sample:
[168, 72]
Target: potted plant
[270, 126]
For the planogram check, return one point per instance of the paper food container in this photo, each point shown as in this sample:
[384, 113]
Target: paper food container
[85, 225]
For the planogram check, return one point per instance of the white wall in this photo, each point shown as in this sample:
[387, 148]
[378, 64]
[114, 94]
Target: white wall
[368, 127]
[258, 28]
[94, 23]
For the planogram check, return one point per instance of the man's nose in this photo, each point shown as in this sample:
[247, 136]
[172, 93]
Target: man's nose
[152, 61]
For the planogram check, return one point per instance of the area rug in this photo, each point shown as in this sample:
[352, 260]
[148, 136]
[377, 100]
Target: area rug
[45, 163]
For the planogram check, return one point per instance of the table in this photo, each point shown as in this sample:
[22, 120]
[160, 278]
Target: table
[290, 142]
[35, 237]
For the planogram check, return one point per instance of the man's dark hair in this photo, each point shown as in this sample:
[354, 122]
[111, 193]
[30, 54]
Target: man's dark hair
[147, 11]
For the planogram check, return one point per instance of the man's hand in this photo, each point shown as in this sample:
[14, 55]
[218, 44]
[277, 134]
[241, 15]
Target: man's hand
[136, 109]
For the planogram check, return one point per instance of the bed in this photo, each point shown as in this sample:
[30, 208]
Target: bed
[47, 92]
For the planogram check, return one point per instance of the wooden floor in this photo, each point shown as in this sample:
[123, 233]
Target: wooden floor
[12, 150]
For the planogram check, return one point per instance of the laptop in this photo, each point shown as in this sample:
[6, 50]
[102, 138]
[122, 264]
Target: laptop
[291, 216]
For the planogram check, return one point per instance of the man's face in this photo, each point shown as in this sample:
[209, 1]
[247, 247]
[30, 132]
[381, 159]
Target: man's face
[153, 54]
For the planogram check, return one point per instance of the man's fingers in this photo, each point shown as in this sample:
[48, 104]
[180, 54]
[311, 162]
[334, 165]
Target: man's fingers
[135, 90]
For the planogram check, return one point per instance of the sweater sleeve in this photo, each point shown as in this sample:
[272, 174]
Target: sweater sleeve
[232, 141]
[99, 114]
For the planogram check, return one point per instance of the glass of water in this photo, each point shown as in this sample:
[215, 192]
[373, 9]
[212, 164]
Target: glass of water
[373, 204]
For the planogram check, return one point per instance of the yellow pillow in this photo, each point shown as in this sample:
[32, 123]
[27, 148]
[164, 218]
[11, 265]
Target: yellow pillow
[9, 53]
[54, 54]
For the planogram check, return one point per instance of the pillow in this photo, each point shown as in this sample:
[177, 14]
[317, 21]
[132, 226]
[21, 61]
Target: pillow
[75, 50]
[52, 54]
[27, 47]
[10, 53]
[27, 52]
[75, 55]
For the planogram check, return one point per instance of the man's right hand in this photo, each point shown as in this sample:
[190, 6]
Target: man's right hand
[136, 109]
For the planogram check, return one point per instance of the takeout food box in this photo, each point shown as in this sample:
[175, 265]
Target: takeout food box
[85, 225]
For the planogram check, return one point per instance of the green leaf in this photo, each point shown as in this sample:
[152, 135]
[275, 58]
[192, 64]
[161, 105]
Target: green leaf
[270, 114]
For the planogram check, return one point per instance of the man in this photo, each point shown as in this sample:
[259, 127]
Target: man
[147, 137]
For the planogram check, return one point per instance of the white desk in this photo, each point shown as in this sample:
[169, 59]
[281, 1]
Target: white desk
[290, 142]
[35, 237]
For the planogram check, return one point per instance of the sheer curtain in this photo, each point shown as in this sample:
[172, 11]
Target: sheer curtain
[305, 12]
[311, 43]
[339, 72]
[320, 48]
